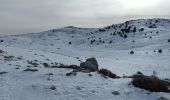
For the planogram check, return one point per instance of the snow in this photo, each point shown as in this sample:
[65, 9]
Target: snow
[53, 47]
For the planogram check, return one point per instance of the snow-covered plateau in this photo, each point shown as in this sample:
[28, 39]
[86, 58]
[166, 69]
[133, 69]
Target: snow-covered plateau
[149, 39]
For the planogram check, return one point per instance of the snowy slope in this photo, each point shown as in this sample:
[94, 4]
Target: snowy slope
[71, 45]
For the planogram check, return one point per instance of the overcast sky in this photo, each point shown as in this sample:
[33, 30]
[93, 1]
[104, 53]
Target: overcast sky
[25, 16]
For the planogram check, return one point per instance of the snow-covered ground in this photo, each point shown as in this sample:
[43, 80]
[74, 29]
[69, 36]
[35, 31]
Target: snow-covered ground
[71, 45]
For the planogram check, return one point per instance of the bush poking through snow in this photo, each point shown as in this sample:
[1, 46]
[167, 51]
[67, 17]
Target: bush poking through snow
[160, 51]
[125, 36]
[2, 41]
[152, 26]
[1, 51]
[31, 70]
[139, 73]
[162, 98]
[107, 73]
[3, 72]
[141, 30]
[151, 83]
[35, 64]
[9, 58]
[45, 65]
[168, 40]
[131, 52]
[66, 66]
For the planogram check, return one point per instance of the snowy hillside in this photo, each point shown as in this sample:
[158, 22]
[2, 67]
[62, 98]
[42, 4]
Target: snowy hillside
[149, 39]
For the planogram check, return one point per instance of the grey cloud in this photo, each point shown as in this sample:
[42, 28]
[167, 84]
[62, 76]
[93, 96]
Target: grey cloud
[23, 16]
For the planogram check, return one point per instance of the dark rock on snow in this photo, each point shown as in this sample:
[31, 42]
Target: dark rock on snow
[115, 93]
[90, 64]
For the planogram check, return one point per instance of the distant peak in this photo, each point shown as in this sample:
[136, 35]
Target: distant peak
[70, 27]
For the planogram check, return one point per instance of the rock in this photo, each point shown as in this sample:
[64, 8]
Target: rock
[90, 64]
[93, 61]
[115, 93]
[52, 87]
[90, 75]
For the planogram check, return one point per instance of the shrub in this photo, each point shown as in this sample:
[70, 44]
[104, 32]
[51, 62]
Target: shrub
[160, 51]
[53, 30]
[35, 64]
[3, 72]
[65, 66]
[92, 41]
[107, 72]
[125, 36]
[101, 30]
[142, 29]
[108, 27]
[168, 40]
[139, 73]
[162, 98]
[1, 51]
[151, 83]
[110, 41]
[133, 41]
[134, 30]
[45, 65]
[131, 52]
[31, 70]
[152, 26]
[156, 21]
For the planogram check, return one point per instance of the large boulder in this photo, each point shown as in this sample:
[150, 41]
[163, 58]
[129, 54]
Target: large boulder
[90, 64]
